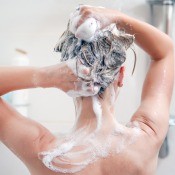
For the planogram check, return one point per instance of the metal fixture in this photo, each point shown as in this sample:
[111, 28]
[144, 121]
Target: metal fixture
[167, 11]
[162, 2]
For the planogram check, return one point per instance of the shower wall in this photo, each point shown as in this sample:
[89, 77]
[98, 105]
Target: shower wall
[35, 26]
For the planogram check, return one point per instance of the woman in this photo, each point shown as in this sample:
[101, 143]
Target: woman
[138, 152]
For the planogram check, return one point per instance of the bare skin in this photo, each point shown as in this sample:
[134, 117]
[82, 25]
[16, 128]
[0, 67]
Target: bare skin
[26, 138]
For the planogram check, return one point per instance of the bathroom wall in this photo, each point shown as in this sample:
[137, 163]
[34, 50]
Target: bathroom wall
[35, 26]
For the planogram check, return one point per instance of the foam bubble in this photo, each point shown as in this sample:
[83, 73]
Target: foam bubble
[73, 23]
[87, 30]
[85, 145]
[82, 89]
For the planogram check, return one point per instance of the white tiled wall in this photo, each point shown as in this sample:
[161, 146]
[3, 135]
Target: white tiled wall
[35, 26]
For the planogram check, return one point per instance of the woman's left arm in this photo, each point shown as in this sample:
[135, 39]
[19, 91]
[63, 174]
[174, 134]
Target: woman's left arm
[25, 137]
[15, 78]
[60, 76]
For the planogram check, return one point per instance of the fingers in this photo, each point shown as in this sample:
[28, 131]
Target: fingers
[77, 67]
[83, 71]
[87, 30]
[83, 23]
[80, 21]
[81, 85]
[82, 13]
[78, 17]
[85, 12]
[83, 89]
[74, 23]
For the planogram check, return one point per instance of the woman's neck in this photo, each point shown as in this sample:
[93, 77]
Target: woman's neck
[93, 112]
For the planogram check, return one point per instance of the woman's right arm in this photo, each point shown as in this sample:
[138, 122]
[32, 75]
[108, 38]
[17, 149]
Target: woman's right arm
[153, 113]
[158, 85]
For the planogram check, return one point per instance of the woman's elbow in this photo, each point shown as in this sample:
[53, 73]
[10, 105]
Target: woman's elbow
[170, 46]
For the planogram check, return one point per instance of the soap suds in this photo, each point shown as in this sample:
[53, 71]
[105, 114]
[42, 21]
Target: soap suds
[97, 110]
[81, 88]
[103, 52]
[85, 145]
[103, 56]
[87, 30]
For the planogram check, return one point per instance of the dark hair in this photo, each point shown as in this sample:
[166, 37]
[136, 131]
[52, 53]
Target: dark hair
[104, 55]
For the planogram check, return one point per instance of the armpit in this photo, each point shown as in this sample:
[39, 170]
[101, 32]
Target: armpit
[148, 126]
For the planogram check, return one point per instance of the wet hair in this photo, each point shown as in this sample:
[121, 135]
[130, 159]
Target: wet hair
[104, 55]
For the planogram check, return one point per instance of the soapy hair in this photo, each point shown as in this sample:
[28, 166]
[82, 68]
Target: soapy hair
[104, 55]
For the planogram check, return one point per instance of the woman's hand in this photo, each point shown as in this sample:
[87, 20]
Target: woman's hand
[103, 15]
[64, 76]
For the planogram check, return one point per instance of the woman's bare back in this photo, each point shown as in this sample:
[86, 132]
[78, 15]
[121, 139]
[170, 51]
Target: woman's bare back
[140, 158]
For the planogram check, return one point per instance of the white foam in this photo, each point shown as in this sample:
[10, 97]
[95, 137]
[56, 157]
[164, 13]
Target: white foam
[73, 23]
[90, 147]
[112, 95]
[78, 107]
[87, 30]
[97, 110]
[82, 90]
[85, 145]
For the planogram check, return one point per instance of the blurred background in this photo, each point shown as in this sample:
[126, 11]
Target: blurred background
[29, 31]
